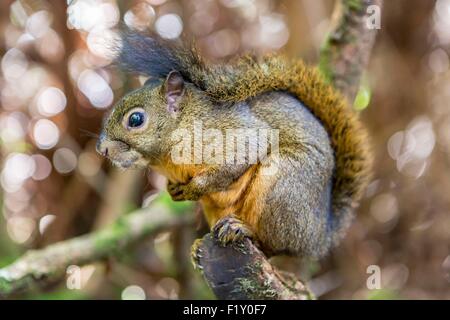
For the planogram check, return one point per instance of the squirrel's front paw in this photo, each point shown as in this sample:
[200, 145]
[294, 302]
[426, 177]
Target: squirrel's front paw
[181, 192]
[230, 229]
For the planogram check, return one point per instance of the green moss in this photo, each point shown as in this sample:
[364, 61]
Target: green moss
[324, 62]
[17, 285]
[5, 287]
[355, 5]
[342, 34]
[107, 240]
[255, 290]
[250, 286]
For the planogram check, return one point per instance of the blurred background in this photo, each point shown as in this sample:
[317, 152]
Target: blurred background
[56, 84]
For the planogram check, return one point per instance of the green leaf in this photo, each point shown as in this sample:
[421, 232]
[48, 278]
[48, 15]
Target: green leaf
[362, 99]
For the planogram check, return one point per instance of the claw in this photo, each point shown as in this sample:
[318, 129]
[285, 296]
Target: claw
[231, 230]
[195, 254]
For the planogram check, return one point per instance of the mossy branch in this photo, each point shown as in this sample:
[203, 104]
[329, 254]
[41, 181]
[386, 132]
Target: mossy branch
[244, 272]
[347, 49]
[39, 267]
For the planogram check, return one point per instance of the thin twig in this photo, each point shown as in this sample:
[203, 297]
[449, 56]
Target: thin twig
[347, 49]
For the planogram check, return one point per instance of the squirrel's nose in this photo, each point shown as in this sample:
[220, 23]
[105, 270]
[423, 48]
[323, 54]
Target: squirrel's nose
[110, 148]
[102, 149]
[101, 146]
[103, 152]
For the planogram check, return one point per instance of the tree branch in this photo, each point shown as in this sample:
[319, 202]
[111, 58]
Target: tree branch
[246, 273]
[347, 49]
[38, 267]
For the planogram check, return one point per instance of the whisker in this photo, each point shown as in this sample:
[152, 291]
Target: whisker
[89, 133]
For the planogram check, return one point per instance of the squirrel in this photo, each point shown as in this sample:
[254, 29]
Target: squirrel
[322, 160]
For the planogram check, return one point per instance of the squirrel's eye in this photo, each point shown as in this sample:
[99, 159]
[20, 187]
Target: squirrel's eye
[135, 119]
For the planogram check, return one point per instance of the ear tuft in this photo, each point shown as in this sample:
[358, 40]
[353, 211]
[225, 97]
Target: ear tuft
[174, 89]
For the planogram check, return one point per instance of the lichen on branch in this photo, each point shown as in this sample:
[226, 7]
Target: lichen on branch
[347, 48]
[38, 267]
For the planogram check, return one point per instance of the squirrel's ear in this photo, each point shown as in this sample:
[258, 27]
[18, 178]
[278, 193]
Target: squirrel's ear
[174, 89]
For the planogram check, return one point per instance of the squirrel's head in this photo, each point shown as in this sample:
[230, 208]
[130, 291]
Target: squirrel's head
[135, 133]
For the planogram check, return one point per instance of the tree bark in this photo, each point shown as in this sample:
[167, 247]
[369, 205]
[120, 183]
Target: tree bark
[245, 273]
[347, 49]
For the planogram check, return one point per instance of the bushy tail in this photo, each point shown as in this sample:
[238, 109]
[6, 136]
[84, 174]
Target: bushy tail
[249, 76]
[150, 55]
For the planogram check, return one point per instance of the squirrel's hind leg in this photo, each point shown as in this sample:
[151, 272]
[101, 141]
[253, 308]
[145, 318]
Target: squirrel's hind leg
[295, 219]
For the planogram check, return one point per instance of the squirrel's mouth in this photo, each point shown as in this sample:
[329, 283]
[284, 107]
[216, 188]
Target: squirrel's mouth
[129, 159]
[121, 154]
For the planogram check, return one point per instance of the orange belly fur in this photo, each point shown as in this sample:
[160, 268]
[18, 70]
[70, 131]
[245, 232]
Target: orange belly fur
[244, 198]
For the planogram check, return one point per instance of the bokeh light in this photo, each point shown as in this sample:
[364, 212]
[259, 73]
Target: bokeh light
[43, 167]
[18, 167]
[169, 26]
[12, 127]
[133, 293]
[140, 17]
[45, 221]
[64, 160]
[20, 229]
[45, 134]
[88, 14]
[96, 89]
[89, 164]
[14, 64]
[39, 23]
[51, 101]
